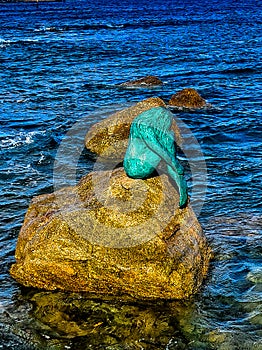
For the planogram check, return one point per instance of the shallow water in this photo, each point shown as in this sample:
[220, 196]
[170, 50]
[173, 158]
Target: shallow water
[60, 64]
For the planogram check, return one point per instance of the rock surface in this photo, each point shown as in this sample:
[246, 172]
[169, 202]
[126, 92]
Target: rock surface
[109, 138]
[147, 81]
[188, 98]
[112, 235]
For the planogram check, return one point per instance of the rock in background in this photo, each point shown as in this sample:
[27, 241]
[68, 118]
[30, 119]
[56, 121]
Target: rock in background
[188, 98]
[109, 138]
[148, 81]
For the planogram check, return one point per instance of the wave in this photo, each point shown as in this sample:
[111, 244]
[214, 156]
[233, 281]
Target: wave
[246, 70]
[5, 43]
[49, 29]
[142, 24]
[19, 140]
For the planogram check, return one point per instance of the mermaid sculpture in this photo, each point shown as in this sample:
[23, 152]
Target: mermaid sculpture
[150, 141]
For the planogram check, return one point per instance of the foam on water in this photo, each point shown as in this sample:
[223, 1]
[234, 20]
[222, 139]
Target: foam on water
[18, 140]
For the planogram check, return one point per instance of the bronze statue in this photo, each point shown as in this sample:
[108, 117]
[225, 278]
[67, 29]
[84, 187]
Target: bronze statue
[150, 141]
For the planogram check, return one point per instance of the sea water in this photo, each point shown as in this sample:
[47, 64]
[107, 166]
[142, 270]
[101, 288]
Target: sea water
[60, 63]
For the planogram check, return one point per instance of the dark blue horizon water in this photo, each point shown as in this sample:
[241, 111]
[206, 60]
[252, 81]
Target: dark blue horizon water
[61, 62]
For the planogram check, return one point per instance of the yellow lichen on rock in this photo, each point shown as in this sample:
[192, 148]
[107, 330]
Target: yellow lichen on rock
[130, 238]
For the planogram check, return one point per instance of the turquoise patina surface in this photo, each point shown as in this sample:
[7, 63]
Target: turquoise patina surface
[150, 141]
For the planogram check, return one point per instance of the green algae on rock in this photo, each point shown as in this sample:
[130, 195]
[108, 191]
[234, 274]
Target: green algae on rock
[109, 138]
[109, 322]
[123, 237]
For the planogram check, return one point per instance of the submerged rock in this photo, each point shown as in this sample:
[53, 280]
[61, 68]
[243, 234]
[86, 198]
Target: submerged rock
[147, 81]
[109, 138]
[108, 323]
[113, 235]
[188, 98]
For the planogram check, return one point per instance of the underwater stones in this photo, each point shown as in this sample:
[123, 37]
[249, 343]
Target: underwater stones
[255, 275]
[188, 98]
[147, 81]
[109, 138]
[145, 323]
[113, 235]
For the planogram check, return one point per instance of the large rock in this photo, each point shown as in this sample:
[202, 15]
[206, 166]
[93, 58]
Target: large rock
[147, 81]
[111, 234]
[109, 138]
[188, 98]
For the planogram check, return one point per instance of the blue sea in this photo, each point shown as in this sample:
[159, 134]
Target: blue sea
[61, 63]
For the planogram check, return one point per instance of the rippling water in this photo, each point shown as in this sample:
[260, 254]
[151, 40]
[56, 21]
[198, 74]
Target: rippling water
[60, 62]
